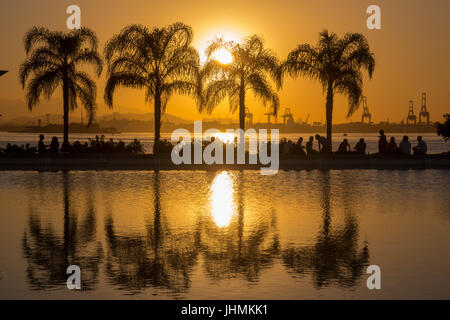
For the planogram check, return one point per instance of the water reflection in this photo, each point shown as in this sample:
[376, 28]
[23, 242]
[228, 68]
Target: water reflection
[221, 198]
[48, 254]
[236, 250]
[235, 234]
[162, 258]
[335, 257]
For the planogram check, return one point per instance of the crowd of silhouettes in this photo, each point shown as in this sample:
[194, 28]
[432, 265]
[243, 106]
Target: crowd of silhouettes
[404, 148]
[97, 145]
[287, 146]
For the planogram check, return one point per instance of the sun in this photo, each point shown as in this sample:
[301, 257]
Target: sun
[223, 56]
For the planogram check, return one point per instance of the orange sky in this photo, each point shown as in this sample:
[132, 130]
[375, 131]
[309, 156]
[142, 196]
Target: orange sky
[412, 50]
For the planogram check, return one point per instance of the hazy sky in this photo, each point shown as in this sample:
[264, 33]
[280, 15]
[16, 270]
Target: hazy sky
[412, 49]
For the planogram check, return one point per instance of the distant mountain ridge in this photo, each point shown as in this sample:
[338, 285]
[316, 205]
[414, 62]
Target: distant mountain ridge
[16, 112]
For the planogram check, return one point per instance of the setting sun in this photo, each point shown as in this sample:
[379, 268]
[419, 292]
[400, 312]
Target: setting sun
[223, 56]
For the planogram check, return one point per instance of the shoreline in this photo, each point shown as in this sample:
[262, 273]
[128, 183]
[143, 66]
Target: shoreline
[150, 162]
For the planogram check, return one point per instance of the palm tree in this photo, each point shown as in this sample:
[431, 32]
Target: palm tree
[251, 65]
[54, 58]
[336, 63]
[162, 61]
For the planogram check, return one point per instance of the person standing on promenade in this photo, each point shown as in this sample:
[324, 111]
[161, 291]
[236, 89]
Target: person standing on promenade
[382, 143]
[41, 145]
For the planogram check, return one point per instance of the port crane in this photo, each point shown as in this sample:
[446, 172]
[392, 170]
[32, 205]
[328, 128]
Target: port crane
[366, 114]
[269, 114]
[411, 116]
[288, 117]
[423, 111]
[249, 116]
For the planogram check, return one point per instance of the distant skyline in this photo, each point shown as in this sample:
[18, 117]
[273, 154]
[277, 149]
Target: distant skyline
[411, 49]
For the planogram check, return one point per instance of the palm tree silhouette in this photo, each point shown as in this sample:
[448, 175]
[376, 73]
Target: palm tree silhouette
[162, 61]
[160, 258]
[232, 251]
[54, 58]
[251, 65]
[336, 63]
[335, 256]
[48, 254]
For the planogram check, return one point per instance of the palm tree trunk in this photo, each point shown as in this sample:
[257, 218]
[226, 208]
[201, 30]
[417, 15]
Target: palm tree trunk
[157, 122]
[65, 145]
[242, 107]
[329, 114]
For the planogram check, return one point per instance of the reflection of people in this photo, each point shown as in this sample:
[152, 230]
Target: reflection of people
[360, 147]
[309, 147]
[41, 144]
[344, 147]
[54, 145]
[392, 146]
[382, 143]
[405, 146]
[421, 147]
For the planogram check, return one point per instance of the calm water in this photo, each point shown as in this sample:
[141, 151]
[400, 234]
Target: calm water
[435, 143]
[225, 235]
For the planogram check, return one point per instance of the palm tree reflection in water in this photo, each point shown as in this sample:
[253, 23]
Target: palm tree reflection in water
[235, 241]
[335, 257]
[230, 249]
[48, 255]
[161, 258]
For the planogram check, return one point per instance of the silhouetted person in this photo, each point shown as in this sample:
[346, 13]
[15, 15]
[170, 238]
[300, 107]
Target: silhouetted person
[309, 147]
[287, 147]
[42, 148]
[405, 146]
[323, 143]
[360, 147]
[300, 147]
[54, 145]
[344, 147]
[392, 147]
[421, 147]
[382, 143]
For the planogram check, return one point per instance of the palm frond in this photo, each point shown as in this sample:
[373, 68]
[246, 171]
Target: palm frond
[43, 83]
[125, 79]
[91, 57]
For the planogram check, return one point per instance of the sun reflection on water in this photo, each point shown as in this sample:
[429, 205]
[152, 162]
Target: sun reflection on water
[221, 199]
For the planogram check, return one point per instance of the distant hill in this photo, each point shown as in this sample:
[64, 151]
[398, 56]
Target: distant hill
[140, 116]
[28, 119]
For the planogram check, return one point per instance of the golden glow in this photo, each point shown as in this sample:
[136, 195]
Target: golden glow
[223, 56]
[224, 137]
[221, 199]
[222, 32]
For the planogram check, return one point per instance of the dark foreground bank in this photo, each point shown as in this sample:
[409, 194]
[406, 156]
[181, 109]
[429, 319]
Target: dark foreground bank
[151, 162]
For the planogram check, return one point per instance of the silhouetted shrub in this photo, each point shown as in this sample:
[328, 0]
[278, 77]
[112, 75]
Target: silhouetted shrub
[100, 145]
[14, 148]
[443, 129]
[164, 146]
